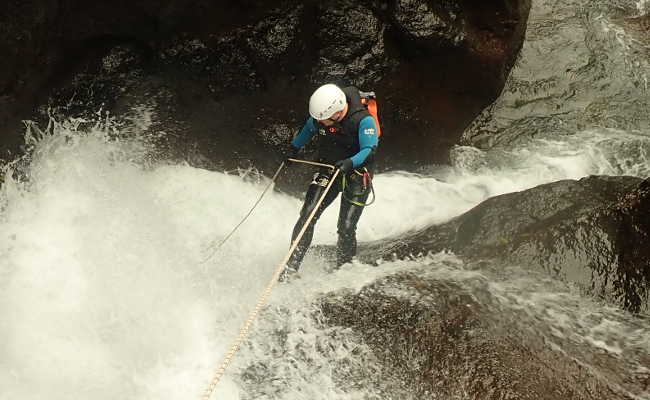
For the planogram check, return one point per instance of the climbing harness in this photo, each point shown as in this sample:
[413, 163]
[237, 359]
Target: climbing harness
[213, 248]
[243, 333]
[366, 176]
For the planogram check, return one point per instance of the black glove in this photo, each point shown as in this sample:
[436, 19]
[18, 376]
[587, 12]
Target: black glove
[288, 152]
[344, 165]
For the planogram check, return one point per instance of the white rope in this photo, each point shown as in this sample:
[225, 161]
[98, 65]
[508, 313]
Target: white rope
[312, 163]
[245, 330]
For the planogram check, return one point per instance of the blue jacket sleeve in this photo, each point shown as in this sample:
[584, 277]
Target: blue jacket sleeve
[306, 133]
[368, 140]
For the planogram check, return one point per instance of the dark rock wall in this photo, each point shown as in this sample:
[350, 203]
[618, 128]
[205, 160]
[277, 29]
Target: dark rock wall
[227, 81]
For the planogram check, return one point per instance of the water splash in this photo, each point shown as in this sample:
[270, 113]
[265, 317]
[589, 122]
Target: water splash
[609, 342]
[103, 293]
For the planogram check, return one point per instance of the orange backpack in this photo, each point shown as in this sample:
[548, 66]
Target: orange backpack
[369, 100]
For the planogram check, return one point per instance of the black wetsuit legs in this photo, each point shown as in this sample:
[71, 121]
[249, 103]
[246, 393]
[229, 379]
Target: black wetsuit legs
[314, 193]
[349, 214]
[352, 200]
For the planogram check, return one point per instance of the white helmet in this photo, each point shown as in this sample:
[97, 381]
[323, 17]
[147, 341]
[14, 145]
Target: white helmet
[326, 101]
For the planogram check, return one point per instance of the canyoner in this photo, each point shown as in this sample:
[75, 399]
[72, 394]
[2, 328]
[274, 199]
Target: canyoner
[348, 120]
[352, 127]
[344, 124]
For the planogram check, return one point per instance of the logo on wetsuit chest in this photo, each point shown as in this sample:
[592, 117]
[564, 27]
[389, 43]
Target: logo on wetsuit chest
[328, 130]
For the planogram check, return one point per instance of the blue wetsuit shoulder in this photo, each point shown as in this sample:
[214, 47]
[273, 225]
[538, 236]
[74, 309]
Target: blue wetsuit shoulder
[368, 140]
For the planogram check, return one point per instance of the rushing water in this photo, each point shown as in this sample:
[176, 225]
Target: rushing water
[104, 295]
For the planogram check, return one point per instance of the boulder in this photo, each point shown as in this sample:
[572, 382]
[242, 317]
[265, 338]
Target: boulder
[435, 339]
[591, 232]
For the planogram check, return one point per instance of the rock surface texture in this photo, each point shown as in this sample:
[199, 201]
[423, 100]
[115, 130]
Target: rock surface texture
[227, 84]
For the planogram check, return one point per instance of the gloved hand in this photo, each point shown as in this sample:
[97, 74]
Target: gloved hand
[344, 165]
[287, 152]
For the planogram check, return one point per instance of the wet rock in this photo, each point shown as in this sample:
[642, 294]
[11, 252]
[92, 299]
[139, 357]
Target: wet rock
[100, 83]
[427, 26]
[627, 223]
[436, 339]
[352, 47]
[639, 27]
[563, 84]
[592, 232]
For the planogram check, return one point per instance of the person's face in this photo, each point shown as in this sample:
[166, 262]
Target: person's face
[336, 117]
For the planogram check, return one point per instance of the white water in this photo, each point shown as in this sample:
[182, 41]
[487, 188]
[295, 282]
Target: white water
[102, 292]
[102, 295]
[410, 201]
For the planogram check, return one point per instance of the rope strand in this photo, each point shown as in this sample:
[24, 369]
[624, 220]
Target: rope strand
[245, 330]
[214, 248]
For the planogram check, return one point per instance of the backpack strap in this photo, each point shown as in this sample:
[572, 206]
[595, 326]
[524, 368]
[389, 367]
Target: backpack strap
[369, 100]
